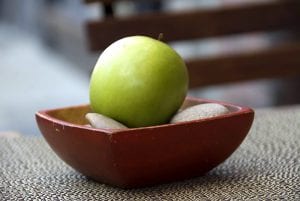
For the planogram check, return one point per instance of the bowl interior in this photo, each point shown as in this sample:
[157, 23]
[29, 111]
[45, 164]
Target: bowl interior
[76, 115]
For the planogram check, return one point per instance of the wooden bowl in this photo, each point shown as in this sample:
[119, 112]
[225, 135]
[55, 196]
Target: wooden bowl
[144, 156]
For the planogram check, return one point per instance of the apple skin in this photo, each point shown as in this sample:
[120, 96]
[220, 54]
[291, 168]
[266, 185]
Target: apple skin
[138, 81]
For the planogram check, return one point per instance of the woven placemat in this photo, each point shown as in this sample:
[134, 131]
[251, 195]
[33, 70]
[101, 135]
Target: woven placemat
[265, 167]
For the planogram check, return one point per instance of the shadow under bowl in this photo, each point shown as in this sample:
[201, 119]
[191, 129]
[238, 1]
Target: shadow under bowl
[144, 156]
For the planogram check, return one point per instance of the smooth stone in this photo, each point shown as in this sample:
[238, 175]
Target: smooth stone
[103, 122]
[200, 111]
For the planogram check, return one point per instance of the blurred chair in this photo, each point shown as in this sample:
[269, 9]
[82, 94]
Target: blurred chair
[277, 61]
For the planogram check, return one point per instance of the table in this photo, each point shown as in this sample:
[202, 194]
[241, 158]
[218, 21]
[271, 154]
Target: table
[265, 167]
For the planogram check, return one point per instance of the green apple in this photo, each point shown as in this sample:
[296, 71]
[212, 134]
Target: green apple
[138, 81]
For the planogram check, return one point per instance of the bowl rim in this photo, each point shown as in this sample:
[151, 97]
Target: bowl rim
[240, 110]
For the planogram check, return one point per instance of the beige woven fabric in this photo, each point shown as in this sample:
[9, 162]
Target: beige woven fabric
[265, 167]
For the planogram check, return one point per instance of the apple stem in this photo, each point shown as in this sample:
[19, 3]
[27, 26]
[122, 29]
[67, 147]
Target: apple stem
[160, 36]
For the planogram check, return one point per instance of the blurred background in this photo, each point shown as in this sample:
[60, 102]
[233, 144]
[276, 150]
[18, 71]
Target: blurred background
[45, 61]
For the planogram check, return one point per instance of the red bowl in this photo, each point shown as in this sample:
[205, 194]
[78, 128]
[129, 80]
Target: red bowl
[144, 156]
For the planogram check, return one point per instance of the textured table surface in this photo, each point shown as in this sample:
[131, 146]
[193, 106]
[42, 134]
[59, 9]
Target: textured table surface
[265, 167]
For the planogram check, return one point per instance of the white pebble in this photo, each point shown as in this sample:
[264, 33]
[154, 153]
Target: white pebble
[200, 111]
[100, 121]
